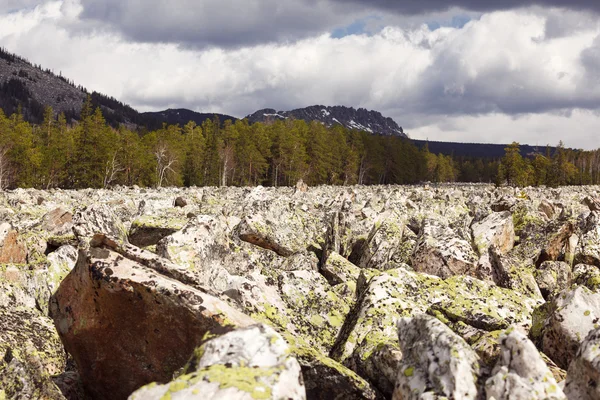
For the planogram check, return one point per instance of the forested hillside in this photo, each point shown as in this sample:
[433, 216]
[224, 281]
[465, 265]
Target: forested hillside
[90, 153]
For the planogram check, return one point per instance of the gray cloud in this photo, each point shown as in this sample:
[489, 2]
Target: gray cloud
[15, 5]
[220, 23]
[236, 23]
[425, 6]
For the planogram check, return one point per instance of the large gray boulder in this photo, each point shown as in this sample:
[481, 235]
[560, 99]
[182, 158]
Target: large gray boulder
[441, 252]
[367, 342]
[572, 315]
[436, 362]
[553, 277]
[520, 372]
[497, 229]
[583, 377]
[30, 354]
[244, 364]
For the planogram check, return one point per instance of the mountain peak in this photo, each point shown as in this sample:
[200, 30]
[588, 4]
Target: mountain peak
[348, 117]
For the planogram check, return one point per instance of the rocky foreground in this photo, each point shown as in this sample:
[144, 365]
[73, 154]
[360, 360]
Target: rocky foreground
[462, 292]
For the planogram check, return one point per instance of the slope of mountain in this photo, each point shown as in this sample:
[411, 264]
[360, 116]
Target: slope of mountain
[349, 117]
[22, 83]
[182, 116]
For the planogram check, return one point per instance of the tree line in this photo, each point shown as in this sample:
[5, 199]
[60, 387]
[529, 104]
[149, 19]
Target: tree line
[90, 153]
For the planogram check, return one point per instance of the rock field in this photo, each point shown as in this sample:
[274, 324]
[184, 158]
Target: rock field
[380, 292]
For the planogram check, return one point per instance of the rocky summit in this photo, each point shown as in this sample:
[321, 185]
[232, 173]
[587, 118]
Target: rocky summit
[362, 292]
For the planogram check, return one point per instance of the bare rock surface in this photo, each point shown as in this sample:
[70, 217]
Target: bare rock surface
[521, 372]
[436, 362]
[244, 364]
[584, 371]
[572, 315]
[137, 281]
[114, 314]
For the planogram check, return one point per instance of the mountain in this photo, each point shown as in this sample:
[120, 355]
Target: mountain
[31, 87]
[349, 117]
[182, 116]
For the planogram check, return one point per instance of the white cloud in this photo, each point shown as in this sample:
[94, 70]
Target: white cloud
[502, 69]
[578, 129]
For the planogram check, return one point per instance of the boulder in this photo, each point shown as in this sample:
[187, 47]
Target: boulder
[148, 230]
[511, 273]
[382, 249]
[12, 248]
[496, 229]
[284, 228]
[30, 354]
[244, 364]
[367, 342]
[180, 202]
[521, 373]
[57, 222]
[588, 276]
[436, 362]
[547, 208]
[31, 286]
[571, 316]
[588, 251]
[113, 314]
[505, 203]
[339, 270]
[98, 218]
[553, 277]
[593, 203]
[439, 251]
[583, 377]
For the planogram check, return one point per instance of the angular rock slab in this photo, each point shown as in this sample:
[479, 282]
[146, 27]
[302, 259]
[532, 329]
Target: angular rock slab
[573, 314]
[496, 229]
[553, 277]
[435, 362]
[383, 247]
[441, 252]
[30, 353]
[115, 315]
[521, 373]
[98, 218]
[12, 248]
[583, 377]
[245, 364]
[148, 230]
[367, 342]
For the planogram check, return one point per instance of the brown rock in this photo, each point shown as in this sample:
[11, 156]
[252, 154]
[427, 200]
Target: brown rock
[592, 203]
[12, 249]
[114, 314]
[180, 202]
[57, 222]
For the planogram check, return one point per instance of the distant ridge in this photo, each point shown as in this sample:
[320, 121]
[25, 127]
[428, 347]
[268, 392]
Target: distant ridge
[348, 117]
[476, 149]
[182, 116]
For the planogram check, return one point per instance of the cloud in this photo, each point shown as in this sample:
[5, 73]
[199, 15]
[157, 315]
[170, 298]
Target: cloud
[425, 6]
[502, 68]
[220, 23]
[8, 6]
[577, 130]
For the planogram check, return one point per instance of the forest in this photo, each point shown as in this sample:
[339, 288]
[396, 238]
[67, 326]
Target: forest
[89, 153]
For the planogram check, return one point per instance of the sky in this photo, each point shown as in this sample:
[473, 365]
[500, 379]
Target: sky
[451, 70]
